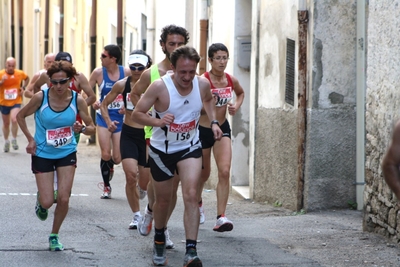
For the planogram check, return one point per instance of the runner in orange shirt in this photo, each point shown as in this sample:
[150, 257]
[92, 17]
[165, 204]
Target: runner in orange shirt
[10, 100]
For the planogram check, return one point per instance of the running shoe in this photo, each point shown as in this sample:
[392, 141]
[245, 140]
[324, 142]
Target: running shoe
[223, 225]
[106, 193]
[135, 221]
[7, 146]
[55, 196]
[111, 174]
[14, 144]
[145, 224]
[202, 215]
[159, 254]
[55, 245]
[142, 193]
[41, 212]
[168, 242]
[191, 259]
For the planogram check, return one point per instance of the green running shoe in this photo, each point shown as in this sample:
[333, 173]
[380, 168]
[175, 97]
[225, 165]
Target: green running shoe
[41, 213]
[54, 244]
[55, 196]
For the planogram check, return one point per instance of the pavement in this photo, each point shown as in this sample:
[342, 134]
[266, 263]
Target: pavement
[95, 232]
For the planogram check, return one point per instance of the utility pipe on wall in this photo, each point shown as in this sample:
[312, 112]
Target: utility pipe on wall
[203, 36]
[360, 106]
[21, 32]
[93, 37]
[119, 29]
[61, 37]
[12, 29]
[302, 102]
[46, 28]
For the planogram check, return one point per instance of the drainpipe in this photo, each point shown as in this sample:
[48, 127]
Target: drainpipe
[302, 101]
[46, 28]
[203, 36]
[119, 29]
[61, 37]
[12, 29]
[93, 37]
[150, 31]
[21, 31]
[360, 105]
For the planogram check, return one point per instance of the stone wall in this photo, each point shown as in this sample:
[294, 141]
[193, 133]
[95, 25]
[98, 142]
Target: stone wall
[382, 110]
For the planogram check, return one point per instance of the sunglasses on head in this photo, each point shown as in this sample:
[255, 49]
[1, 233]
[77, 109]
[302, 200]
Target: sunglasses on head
[104, 55]
[62, 81]
[140, 68]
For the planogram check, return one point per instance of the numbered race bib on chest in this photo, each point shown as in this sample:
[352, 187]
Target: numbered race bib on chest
[118, 102]
[10, 94]
[129, 105]
[224, 95]
[181, 131]
[59, 137]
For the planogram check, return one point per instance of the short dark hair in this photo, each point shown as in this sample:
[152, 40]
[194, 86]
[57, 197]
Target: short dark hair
[114, 51]
[214, 48]
[141, 52]
[173, 29]
[184, 52]
[64, 66]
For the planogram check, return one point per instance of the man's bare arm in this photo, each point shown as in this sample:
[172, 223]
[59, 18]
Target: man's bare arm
[29, 89]
[140, 87]
[84, 85]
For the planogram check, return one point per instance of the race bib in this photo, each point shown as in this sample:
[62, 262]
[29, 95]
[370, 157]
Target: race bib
[182, 131]
[224, 95]
[10, 94]
[118, 103]
[59, 137]
[129, 105]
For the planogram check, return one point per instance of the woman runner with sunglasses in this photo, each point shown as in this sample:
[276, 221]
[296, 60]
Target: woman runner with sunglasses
[132, 142]
[53, 148]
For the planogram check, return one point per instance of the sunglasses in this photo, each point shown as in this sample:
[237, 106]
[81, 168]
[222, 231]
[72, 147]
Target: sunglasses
[104, 55]
[134, 68]
[62, 81]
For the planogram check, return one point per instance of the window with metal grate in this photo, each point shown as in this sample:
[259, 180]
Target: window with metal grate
[290, 59]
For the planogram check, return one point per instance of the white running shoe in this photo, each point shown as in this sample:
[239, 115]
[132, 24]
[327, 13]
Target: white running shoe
[202, 215]
[135, 221]
[142, 193]
[168, 242]
[223, 225]
[145, 224]
[106, 193]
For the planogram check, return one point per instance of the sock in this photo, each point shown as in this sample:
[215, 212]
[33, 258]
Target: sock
[136, 213]
[159, 235]
[148, 208]
[105, 167]
[219, 216]
[201, 203]
[190, 244]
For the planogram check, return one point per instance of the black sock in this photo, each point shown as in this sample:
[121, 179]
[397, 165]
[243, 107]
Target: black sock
[148, 208]
[105, 167]
[190, 244]
[159, 235]
[219, 216]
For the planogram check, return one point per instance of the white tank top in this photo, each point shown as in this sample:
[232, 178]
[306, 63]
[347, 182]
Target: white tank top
[183, 132]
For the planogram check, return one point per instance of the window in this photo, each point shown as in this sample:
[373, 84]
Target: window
[290, 72]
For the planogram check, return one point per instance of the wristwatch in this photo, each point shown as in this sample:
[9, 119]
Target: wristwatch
[214, 122]
[83, 129]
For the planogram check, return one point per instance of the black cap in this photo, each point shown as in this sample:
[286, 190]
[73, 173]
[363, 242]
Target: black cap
[63, 56]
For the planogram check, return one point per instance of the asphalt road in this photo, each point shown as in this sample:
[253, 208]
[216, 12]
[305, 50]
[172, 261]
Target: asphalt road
[95, 232]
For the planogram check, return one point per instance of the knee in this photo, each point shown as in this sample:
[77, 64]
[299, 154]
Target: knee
[46, 203]
[224, 174]
[131, 179]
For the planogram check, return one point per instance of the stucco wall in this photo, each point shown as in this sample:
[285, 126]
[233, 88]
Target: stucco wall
[382, 110]
[276, 157]
[330, 172]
